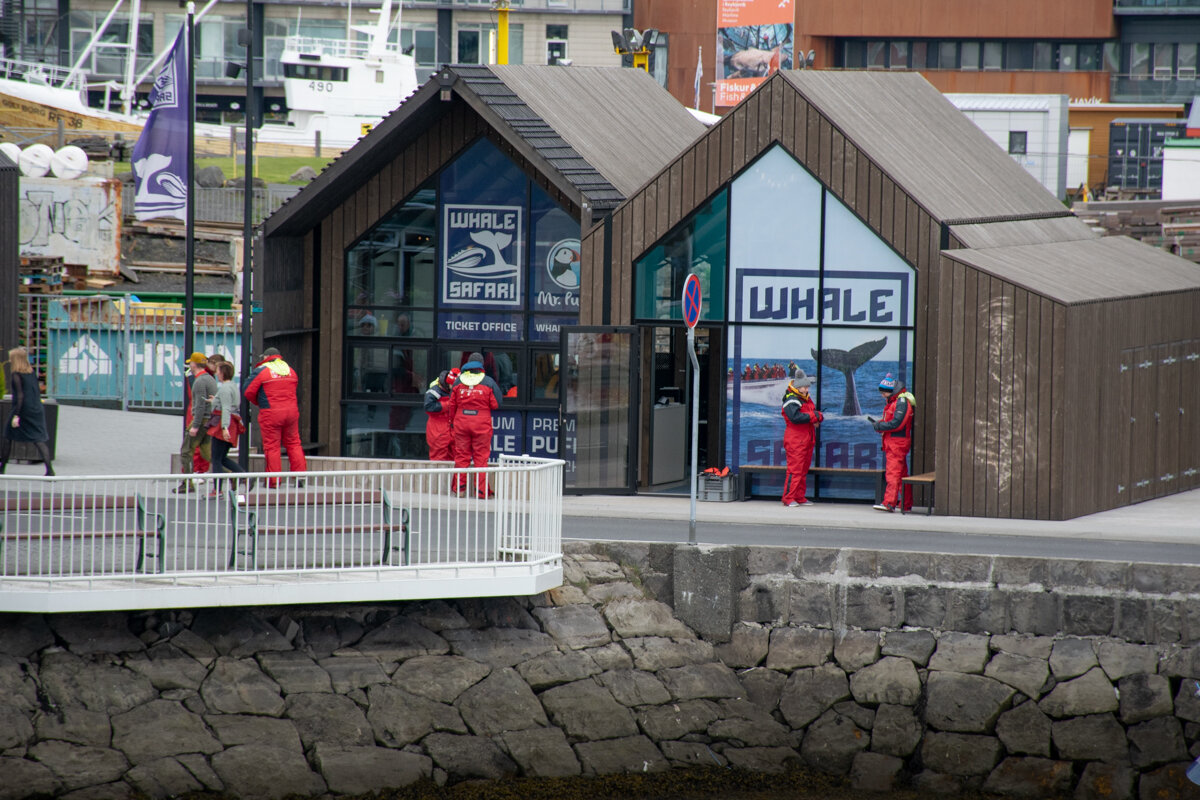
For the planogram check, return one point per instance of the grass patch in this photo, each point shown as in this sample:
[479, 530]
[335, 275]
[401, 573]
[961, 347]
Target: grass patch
[272, 169]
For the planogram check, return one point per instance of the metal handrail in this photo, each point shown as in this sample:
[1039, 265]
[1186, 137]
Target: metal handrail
[107, 533]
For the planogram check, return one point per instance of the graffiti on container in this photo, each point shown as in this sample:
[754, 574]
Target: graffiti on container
[78, 220]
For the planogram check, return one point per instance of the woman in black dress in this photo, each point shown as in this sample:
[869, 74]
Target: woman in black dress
[27, 423]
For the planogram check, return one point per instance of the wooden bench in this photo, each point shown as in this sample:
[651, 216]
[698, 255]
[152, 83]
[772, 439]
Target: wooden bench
[926, 479]
[30, 504]
[746, 474]
[244, 513]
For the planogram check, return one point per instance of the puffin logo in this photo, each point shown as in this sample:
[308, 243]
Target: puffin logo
[562, 263]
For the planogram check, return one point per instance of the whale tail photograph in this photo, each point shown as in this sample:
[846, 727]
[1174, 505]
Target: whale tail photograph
[847, 362]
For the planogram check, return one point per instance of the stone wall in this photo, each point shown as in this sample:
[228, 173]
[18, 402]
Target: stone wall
[1023, 677]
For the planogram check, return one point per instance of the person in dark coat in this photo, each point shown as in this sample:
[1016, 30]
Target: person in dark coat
[27, 422]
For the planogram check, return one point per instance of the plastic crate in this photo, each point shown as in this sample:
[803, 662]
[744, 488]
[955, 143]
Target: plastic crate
[716, 488]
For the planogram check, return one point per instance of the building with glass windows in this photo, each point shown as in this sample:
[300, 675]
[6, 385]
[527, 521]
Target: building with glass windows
[455, 227]
[57, 32]
[855, 224]
[1127, 51]
[852, 224]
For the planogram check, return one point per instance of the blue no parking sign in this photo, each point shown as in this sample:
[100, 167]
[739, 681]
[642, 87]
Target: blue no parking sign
[691, 300]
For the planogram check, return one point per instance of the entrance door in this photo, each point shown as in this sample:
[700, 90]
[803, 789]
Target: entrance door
[668, 397]
[598, 414]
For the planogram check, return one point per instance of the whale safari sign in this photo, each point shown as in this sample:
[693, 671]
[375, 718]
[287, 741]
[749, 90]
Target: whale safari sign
[801, 297]
[481, 247]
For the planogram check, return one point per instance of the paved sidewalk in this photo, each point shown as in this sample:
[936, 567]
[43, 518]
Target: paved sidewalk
[96, 441]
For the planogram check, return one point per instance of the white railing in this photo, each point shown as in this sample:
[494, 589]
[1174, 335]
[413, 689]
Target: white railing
[42, 74]
[171, 541]
[336, 48]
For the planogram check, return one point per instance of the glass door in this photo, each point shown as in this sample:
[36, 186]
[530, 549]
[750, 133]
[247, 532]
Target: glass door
[598, 413]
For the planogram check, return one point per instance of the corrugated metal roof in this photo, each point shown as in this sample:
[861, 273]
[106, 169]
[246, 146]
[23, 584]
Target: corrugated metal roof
[1085, 271]
[1004, 102]
[619, 120]
[1026, 231]
[925, 144]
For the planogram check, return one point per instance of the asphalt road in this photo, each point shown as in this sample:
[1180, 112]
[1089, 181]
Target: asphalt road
[916, 541]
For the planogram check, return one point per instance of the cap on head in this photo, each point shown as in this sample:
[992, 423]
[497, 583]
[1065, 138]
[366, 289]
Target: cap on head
[270, 352]
[197, 358]
[452, 376]
[475, 357]
[368, 319]
[471, 365]
[800, 379]
[888, 384]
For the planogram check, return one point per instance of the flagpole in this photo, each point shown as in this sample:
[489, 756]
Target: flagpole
[189, 332]
[248, 236]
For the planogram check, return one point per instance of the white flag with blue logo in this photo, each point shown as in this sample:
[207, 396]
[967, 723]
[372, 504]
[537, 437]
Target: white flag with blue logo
[160, 157]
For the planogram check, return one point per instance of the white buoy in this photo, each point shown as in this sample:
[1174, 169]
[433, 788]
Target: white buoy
[69, 162]
[35, 160]
[11, 150]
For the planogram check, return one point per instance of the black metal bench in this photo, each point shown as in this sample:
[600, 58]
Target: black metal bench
[746, 474]
[27, 505]
[244, 510]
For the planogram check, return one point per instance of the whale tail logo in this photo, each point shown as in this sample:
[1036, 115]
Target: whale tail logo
[847, 362]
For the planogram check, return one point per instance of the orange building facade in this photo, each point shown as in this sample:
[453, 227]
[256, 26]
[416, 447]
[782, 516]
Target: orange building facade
[1080, 48]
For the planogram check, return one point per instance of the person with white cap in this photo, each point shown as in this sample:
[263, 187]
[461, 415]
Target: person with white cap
[896, 428]
[470, 406]
[799, 438]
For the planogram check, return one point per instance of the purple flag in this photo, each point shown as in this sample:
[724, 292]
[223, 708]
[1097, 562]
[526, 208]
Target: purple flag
[160, 157]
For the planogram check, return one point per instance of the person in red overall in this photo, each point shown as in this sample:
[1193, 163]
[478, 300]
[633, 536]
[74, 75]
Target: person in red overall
[272, 387]
[896, 428]
[439, 432]
[799, 438]
[470, 405]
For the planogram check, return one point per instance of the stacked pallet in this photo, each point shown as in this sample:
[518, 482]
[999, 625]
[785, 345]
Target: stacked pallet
[1160, 223]
[41, 275]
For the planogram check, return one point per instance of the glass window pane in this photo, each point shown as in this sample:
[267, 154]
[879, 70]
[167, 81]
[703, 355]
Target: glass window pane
[468, 47]
[1187, 56]
[545, 375]
[1139, 59]
[948, 55]
[969, 58]
[368, 366]
[1067, 57]
[409, 371]
[993, 55]
[1018, 55]
[1089, 57]
[1043, 56]
[898, 55]
[1112, 56]
[865, 282]
[698, 246]
[876, 55]
[920, 55]
[393, 264]
[554, 256]
[854, 55]
[378, 430]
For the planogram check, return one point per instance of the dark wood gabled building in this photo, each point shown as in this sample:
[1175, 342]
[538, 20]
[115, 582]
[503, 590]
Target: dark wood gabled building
[856, 224]
[454, 227]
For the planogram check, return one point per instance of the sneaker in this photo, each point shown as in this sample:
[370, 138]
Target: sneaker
[487, 496]
[184, 488]
[792, 504]
[808, 501]
[882, 507]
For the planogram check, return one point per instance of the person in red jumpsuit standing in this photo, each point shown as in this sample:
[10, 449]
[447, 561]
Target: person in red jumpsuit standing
[799, 438]
[471, 403]
[439, 433]
[271, 386]
[896, 428]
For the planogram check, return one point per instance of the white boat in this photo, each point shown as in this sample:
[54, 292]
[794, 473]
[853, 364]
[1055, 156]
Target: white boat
[339, 89]
[761, 391]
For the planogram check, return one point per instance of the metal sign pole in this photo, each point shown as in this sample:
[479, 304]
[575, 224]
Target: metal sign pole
[695, 364]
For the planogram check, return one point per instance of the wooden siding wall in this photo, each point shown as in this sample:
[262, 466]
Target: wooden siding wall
[1000, 397]
[1053, 412]
[775, 113]
[9, 257]
[1136, 362]
[285, 294]
[325, 246]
